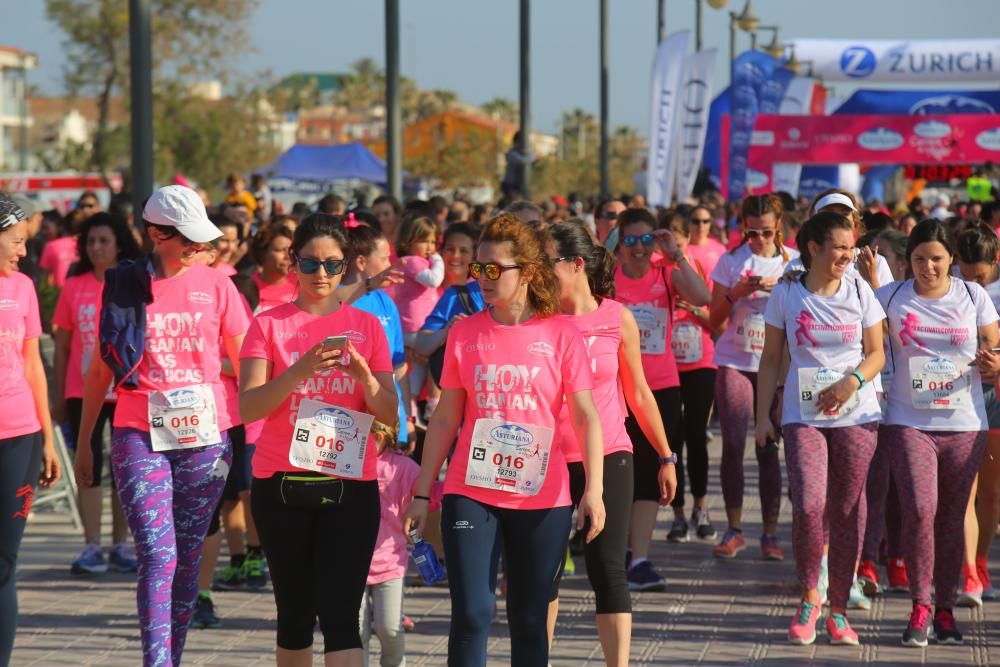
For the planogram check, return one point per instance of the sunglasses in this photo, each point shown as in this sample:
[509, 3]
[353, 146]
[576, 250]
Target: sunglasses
[632, 239]
[491, 270]
[763, 233]
[555, 260]
[610, 215]
[333, 267]
[701, 221]
[170, 233]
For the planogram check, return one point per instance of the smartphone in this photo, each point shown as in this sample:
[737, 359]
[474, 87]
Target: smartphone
[770, 445]
[335, 343]
[755, 280]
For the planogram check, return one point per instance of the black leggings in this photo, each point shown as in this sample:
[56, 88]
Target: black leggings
[697, 395]
[605, 554]
[74, 413]
[534, 546]
[647, 461]
[20, 463]
[319, 561]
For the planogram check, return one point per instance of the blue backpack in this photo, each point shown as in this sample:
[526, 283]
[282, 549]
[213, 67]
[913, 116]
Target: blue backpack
[128, 287]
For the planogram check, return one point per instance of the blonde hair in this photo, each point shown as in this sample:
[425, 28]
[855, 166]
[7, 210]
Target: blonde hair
[413, 230]
[757, 206]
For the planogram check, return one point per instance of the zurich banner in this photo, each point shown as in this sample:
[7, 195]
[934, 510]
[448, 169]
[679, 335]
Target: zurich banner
[901, 61]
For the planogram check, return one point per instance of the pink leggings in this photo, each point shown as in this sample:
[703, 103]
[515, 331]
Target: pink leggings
[934, 472]
[735, 393]
[827, 470]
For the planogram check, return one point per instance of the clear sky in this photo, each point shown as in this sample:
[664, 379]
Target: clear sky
[471, 46]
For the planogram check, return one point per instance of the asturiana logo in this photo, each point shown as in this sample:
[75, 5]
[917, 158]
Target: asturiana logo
[932, 129]
[183, 398]
[512, 435]
[542, 349]
[355, 337]
[826, 376]
[989, 139]
[940, 366]
[335, 418]
[880, 139]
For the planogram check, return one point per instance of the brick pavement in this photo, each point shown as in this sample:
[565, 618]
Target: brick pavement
[713, 613]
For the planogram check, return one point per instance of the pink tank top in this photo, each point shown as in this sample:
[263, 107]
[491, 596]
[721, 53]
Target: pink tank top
[651, 300]
[602, 336]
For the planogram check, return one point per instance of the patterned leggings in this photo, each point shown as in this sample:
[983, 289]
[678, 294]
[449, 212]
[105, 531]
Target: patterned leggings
[168, 498]
[934, 472]
[735, 400]
[827, 470]
[883, 505]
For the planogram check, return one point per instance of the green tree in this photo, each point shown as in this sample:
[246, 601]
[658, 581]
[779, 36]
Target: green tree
[502, 108]
[191, 39]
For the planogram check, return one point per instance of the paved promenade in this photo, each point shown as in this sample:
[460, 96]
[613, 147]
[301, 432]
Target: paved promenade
[713, 613]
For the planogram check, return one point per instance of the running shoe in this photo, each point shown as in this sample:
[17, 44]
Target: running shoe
[253, 571]
[856, 598]
[577, 542]
[204, 613]
[983, 574]
[916, 632]
[840, 631]
[899, 582]
[644, 577]
[868, 576]
[678, 530]
[704, 527]
[971, 593]
[732, 543]
[122, 559]
[407, 623]
[823, 581]
[945, 630]
[90, 561]
[231, 579]
[569, 567]
[802, 630]
[769, 549]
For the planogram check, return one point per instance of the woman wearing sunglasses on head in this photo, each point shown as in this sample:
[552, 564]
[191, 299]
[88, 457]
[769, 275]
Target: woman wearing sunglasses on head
[744, 278]
[170, 450]
[318, 371]
[650, 290]
[508, 370]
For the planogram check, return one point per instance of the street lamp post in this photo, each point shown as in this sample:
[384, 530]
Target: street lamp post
[525, 96]
[605, 181]
[714, 4]
[141, 67]
[661, 20]
[393, 114]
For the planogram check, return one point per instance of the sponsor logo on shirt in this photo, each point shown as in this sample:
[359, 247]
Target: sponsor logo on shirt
[200, 297]
[335, 418]
[512, 434]
[542, 349]
[8, 304]
[657, 288]
[355, 337]
[290, 334]
[480, 347]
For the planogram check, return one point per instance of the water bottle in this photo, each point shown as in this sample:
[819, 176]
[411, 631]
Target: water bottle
[68, 436]
[426, 560]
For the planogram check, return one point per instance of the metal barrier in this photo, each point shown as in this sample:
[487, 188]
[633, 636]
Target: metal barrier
[64, 492]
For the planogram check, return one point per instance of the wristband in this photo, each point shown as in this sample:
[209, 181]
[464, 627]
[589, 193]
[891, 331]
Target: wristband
[861, 379]
[669, 459]
[416, 497]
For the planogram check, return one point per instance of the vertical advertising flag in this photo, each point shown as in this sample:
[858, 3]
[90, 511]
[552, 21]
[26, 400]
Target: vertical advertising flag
[751, 70]
[692, 118]
[664, 101]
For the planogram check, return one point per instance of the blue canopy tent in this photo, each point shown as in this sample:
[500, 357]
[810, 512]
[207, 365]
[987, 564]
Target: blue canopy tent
[341, 162]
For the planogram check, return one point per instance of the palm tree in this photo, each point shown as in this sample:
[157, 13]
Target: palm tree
[501, 108]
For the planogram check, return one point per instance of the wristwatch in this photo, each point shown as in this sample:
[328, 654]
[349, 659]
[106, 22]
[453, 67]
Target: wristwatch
[669, 459]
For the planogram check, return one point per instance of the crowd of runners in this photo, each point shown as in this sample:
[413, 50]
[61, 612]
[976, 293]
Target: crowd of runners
[519, 385]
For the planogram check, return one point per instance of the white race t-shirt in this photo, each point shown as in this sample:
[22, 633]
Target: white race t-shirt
[824, 335]
[882, 270]
[933, 341]
[741, 343]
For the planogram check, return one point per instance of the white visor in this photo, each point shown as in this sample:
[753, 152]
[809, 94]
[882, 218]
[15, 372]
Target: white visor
[834, 198]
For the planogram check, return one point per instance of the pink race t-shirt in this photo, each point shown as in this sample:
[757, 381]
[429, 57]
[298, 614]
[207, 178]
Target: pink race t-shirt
[78, 311]
[282, 335]
[189, 313]
[414, 300]
[277, 294]
[520, 375]
[651, 300]
[397, 474]
[226, 269]
[57, 256]
[691, 339]
[602, 336]
[231, 386]
[19, 322]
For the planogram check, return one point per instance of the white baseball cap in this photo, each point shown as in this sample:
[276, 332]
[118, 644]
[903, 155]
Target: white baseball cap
[180, 207]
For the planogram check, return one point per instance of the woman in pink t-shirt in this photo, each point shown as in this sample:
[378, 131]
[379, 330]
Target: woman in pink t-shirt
[508, 370]
[275, 281]
[170, 452]
[104, 241]
[649, 289]
[318, 371]
[26, 441]
[585, 272]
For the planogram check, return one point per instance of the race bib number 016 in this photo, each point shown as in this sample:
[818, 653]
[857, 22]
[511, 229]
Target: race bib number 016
[811, 382]
[330, 439]
[752, 331]
[652, 324]
[508, 457]
[938, 383]
[686, 343]
[183, 418]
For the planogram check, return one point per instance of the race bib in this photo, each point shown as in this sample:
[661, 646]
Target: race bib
[330, 439]
[508, 457]
[685, 340]
[183, 418]
[811, 382]
[752, 331]
[652, 323]
[939, 383]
